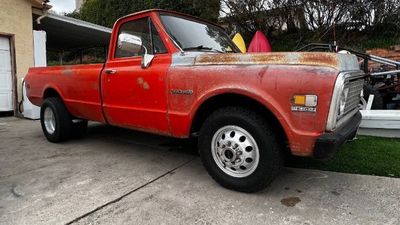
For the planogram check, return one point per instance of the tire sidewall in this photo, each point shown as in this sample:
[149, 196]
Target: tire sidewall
[63, 120]
[268, 152]
[56, 134]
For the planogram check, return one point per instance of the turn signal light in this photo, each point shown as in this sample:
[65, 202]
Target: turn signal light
[305, 100]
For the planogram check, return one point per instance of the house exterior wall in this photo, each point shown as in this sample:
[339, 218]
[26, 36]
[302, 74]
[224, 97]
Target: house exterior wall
[16, 20]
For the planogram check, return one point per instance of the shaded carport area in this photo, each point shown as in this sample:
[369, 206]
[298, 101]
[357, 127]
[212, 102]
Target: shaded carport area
[66, 35]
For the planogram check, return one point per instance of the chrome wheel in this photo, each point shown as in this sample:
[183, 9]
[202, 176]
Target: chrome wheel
[49, 120]
[235, 151]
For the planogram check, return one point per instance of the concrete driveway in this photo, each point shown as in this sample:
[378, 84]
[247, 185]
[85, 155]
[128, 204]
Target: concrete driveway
[117, 176]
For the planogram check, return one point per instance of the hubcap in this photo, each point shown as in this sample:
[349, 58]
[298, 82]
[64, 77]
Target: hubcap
[49, 120]
[235, 151]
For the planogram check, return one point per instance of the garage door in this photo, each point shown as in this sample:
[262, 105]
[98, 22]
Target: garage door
[5, 76]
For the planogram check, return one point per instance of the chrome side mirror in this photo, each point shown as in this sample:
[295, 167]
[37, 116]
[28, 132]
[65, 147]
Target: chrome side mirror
[129, 42]
[132, 43]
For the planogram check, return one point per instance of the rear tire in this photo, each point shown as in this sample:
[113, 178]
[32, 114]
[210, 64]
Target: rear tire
[239, 150]
[55, 120]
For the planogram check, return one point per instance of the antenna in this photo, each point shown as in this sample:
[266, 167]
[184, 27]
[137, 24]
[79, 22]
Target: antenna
[334, 33]
[334, 22]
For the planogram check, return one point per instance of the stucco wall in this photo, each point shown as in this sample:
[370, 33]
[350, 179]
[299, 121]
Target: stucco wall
[16, 19]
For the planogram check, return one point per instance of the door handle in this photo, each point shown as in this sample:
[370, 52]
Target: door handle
[111, 71]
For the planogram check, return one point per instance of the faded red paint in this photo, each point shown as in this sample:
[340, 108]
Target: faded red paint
[272, 86]
[77, 85]
[141, 99]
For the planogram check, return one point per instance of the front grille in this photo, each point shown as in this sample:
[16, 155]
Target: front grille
[354, 94]
[348, 87]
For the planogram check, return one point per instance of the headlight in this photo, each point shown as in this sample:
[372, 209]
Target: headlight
[338, 102]
[342, 102]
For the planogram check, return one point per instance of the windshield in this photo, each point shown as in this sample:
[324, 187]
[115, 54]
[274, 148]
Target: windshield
[193, 35]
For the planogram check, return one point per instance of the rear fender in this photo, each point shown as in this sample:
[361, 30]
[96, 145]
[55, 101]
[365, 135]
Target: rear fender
[54, 88]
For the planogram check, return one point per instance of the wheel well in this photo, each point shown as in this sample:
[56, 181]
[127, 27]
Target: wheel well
[224, 100]
[50, 92]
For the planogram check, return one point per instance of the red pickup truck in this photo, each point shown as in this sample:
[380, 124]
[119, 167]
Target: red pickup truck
[172, 74]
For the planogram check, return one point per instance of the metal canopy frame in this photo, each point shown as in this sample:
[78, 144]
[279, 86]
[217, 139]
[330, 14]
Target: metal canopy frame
[66, 33]
[366, 57]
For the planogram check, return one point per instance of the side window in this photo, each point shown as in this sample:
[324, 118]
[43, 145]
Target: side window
[159, 47]
[135, 36]
[133, 30]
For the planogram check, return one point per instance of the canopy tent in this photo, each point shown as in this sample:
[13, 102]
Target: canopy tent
[64, 33]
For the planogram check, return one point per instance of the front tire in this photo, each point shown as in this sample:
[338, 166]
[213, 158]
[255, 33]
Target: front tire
[55, 120]
[239, 150]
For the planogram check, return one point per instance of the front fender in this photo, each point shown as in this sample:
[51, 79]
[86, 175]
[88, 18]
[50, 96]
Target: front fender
[257, 95]
[273, 86]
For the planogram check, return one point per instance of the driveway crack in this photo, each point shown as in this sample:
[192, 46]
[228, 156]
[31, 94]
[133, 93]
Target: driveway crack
[128, 193]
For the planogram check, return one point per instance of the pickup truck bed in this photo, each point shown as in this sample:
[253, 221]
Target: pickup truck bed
[80, 88]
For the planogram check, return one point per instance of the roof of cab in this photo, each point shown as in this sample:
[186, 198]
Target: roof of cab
[165, 11]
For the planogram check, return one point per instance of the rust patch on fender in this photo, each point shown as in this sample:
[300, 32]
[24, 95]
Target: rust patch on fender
[277, 58]
[319, 59]
[222, 59]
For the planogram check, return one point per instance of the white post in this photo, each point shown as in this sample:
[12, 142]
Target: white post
[39, 52]
[370, 101]
[39, 46]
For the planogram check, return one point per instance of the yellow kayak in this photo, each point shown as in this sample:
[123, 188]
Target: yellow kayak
[239, 41]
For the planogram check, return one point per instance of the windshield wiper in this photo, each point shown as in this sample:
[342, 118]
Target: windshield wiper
[201, 47]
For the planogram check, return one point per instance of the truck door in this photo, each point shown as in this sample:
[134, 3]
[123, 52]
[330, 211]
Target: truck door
[133, 96]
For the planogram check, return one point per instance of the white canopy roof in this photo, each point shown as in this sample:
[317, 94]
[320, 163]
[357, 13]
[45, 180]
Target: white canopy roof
[65, 33]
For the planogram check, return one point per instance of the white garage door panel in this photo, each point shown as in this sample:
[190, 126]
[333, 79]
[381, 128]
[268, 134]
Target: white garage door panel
[5, 75]
[4, 44]
[5, 61]
[5, 105]
[5, 81]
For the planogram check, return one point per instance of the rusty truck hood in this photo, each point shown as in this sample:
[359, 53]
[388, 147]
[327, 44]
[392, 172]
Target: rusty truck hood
[341, 62]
